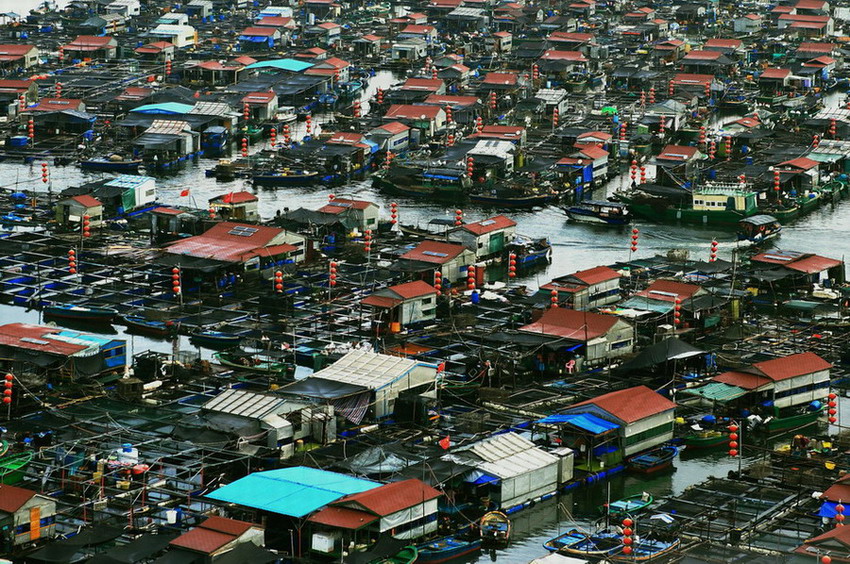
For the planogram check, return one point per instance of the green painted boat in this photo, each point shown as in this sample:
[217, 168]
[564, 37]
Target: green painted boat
[707, 438]
[406, 555]
[629, 505]
[790, 422]
[254, 363]
[441, 183]
[12, 467]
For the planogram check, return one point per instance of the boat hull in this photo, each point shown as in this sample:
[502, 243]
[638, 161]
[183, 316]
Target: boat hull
[111, 166]
[279, 180]
[92, 315]
[446, 549]
[582, 217]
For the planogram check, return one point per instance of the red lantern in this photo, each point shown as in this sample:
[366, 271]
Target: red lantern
[627, 550]
[627, 540]
[7, 400]
[733, 453]
[556, 116]
[826, 559]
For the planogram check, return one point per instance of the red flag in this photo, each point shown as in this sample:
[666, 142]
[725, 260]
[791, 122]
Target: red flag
[445, 442]
[227, 198]
[184, 193]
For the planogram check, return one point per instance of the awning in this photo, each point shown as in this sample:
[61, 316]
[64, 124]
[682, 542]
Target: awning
[716, 391]
[672, 348]
[584, 421]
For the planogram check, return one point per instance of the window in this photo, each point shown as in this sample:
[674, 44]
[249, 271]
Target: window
[427, 300]
[621, 344]
[648, 434]
[371, 221]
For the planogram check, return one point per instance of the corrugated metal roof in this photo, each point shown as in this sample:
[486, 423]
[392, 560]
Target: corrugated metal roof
[391, 498]
[13, 498]
[367, 369]
[295, 492]
[716, 391]
[508, 455]
[343, 518]
[244, 403]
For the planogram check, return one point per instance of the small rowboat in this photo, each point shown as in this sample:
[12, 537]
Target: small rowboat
[407, 555]
[629, 505]
[654, 460]
[495, 527]
[12, 467]
[645, 550]
[446, 548]
[254, 363]
[602, 544]
[81, 313]
[215, 339]
[151, 327]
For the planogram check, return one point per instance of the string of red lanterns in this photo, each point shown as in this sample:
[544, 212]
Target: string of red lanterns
[278, 282]
[713, 255]
[535, 71]
[642, 174]
[728, 146]
[839, 514]
[512, 265]
[168, 67]
[273, 137]
[244, 146]
[31, 130]
[212, 212]
[556, 117]
[815, 141]
[479, 124]
[45, 175]
[492, 99]
[633, 172]
[367, 245]
[470, 166]
[627, 535]
[58, 89]
[642, 97]
[553, 298]
[393, 213]
[712, 149]
[635, 237]
[449, 115]
[733, 440]
[286, 137]
[438, 282]
[470, 277]
[379, 96]
[8, 384]
[332, 273]
[651, 95]
[175, 280]
[309, 124]
[831, 408]
[459, 217]
[86, 226]
[355, 109]
[677, 311]
[623, 132]
[72, 261]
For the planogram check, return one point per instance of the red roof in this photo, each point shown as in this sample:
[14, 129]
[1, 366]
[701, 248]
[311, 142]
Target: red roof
[500, 78]
[14, 335]
[259, 31]
[668, 290]
[703, 56]
[339, 205]
[169, 211]
[224, 242]
[796, 18]
[422, 84]
[16, 50]
[86, 201]
[745, 380]
[391, 498]
[677, 153]
[418, 29]
[632, 404]
[792, 365]
[775, 73]
[596, 275]
[273, 21]
[394, 127]
[507, 132]
[383, 302]
[155, 47]
[410, 111]
[555, 55]
[343, 518]
[444, 100]
[135, 93]
[816, 47]
[813, 264]
[212, 534]
[395, 295]
[802, 163]
[839, 491]
[345, 138]
[688, 79]
[571, 37]
[489, 225]
[57, 105]
[807, 25]
[593, 152]
[13, 498]
[434, 252]
[571, 324]
[598, 136]
[89, 43]
[723, 43]
[235, 198]
[259, 97]
[810, 4]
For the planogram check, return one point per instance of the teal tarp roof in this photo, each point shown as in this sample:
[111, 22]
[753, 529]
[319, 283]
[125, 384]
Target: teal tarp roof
[647, 304]
[295, 492]
[584, 421]
[163, 108]
[717, 391]
[281, 64]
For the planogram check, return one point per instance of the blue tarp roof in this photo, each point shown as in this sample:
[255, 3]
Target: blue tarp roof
[291, 491]
[291, 65]
[585, 421]
[163, 108]
[827, 509]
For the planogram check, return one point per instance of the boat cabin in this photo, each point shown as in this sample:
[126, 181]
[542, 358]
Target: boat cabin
[358, 215]
[236, 206]
[717, 196]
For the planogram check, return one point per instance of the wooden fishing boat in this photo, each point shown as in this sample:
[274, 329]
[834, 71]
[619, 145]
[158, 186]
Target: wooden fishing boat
[215, 339]
[495, 528]
[12, 467]
[793, 418]
[285, 177]
[254, 363]
[407, 555]
[758, 228]
[598, 545]
[705, 438]
[111, 164]
[447, 548]
[599, 211]
[530, 252]
[424, 180]
[654, 460]
[629, 505]
[512, 198]
[81, 313]
[151, 327]
[645, 550]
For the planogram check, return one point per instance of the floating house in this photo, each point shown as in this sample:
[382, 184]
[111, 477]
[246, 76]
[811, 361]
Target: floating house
[70, 211]
[450, 259]
[486, 238]
[213, 538]
[401, 305]
[586, 289]
[236, 206]
[25, 516]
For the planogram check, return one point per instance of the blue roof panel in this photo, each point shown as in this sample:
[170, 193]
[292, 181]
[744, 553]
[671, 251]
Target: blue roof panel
[295, 492]
[291, 65]
[584, 421]
[171, 108]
